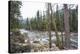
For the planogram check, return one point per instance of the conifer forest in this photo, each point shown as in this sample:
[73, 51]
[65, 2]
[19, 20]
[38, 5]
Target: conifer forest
[49, 26]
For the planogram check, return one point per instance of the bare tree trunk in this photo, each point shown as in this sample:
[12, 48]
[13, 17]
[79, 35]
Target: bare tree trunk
[66, 27]
[50, 18]
[49, 25]
[61, 29]
[56, 32]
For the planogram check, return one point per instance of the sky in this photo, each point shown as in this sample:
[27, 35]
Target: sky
[29, 9]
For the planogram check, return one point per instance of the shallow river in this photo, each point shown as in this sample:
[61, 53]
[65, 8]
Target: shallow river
[43, 36]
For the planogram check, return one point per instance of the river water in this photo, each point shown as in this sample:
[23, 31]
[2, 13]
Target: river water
[39, 35]
[43, 36]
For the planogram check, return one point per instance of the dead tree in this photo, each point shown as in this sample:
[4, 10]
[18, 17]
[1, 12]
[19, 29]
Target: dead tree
[55, 27]
[66, 27]
[52, 21]
[60, 20]
[49, 25]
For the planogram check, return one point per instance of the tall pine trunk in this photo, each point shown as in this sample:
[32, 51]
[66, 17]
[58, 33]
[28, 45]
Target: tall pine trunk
[66, 27]
[49, 25]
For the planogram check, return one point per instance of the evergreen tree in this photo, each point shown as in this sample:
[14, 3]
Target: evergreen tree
[14, 7]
